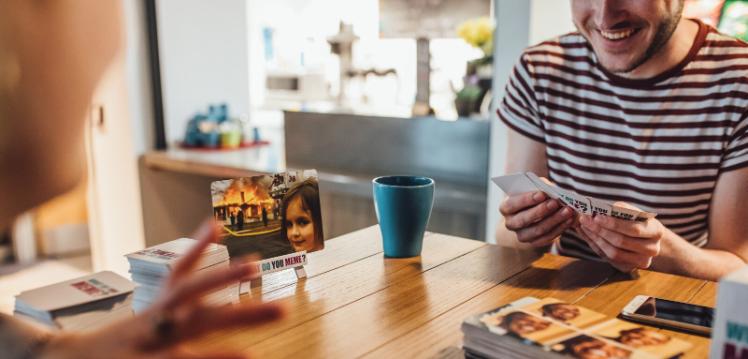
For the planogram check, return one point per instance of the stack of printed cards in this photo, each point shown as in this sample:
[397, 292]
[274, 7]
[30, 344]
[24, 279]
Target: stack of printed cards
[79, 304]
[550, 328]
[529, 182]
[150, 266]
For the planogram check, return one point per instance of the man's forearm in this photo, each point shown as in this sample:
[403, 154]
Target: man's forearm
[678, 256]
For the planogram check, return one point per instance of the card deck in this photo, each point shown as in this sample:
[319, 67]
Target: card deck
[600, 207]
[549, 189]
[643, 216]
[579, 203]
[529, 182]
[623, 213]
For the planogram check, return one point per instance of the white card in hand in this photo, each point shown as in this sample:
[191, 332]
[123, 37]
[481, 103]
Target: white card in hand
[529, 182]
[550, 190]
[515, 184]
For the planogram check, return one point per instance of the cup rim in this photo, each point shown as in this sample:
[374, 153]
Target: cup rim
[428, 179]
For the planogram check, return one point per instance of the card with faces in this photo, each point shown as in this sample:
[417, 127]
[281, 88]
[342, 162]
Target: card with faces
[517, 183]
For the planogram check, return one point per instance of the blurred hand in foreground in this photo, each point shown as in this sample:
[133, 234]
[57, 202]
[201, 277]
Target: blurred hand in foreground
[177, 317]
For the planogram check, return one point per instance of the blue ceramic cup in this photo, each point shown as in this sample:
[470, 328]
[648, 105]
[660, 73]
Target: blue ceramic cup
[403, 206]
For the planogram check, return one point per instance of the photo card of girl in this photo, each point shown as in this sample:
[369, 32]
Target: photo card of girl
[269, 215]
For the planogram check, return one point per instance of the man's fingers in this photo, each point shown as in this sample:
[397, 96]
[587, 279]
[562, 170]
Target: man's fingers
[647, 229]
[645, 246]
[618, 255]
[514, 204]
[532, 215]
[206, 234]
[548, 239]
[553, 224]
[193, 287]
[649, 246]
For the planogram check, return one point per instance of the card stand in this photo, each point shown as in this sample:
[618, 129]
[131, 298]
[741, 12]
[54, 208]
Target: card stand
[300, 272]
[295, 261]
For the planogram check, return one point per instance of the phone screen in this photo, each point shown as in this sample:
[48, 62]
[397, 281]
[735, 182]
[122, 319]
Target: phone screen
[676, 311]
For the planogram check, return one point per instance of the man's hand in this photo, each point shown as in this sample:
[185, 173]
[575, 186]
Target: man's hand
[536, 219]
[627, 245]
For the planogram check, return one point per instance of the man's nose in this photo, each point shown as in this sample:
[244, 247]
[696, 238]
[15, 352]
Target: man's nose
[609, 13]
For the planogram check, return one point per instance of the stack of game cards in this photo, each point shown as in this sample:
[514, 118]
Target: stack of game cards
[550, 328]
[149, 267]
[529, 182]
[83, 303]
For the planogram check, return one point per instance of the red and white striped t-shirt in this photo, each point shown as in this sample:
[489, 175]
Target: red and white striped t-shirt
[657, 143]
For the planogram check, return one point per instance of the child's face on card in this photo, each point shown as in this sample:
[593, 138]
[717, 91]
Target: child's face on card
[299, 226]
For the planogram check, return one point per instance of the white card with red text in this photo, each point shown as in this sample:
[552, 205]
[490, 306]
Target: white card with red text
[517, 183]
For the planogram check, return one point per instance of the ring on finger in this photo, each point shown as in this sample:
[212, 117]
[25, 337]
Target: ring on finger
[164, 325]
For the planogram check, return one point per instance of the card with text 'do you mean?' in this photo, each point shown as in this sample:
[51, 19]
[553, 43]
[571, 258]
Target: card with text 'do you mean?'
[270, 215]
[518, 183]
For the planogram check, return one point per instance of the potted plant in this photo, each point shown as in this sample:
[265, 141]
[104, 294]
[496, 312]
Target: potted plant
[477, 81]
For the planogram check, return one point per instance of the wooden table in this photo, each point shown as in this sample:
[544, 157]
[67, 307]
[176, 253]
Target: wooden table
[355, 303]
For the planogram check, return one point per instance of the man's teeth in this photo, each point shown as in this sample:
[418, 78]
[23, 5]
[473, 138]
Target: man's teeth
[617, 35]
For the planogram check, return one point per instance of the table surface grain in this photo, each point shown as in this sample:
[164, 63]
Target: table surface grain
[356, 303]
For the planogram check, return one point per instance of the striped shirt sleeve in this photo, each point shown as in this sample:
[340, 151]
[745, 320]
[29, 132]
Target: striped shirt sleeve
[736, 152]
[518, 109]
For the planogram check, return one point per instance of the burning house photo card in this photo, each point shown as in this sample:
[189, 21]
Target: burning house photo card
[270, 215]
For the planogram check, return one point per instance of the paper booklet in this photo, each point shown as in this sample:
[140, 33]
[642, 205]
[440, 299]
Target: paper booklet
[549, 328]
[78, 304]
[529, 182]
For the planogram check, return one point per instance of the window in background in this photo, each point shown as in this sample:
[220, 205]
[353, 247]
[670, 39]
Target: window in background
[295, 45]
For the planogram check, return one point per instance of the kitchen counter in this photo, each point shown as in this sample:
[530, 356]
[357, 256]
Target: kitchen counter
[348, 151]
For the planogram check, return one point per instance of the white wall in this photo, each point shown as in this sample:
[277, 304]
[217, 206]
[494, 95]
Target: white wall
[114, 210]
[548, 19]
[137, 72]
[519, 24]
[204, 58]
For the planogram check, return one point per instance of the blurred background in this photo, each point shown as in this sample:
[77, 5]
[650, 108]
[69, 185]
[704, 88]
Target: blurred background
[210, 90]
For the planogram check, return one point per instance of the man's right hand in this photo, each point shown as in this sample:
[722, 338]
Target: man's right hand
[536, 219]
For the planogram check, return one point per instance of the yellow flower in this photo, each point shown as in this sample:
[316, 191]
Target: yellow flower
[478, 33]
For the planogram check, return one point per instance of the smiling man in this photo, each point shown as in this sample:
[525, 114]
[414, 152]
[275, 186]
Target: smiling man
[642, 107]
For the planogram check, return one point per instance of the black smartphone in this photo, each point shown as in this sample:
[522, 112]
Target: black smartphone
[669, 314]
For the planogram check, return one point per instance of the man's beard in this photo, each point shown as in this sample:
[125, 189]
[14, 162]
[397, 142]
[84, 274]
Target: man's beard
[664, 32]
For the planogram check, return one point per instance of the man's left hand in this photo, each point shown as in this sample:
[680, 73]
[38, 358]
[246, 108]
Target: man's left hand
[627, 245]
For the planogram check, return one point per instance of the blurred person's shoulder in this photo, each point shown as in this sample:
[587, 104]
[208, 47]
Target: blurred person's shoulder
[719, 43]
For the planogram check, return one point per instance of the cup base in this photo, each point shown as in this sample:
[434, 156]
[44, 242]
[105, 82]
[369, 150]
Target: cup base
[395, 257]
